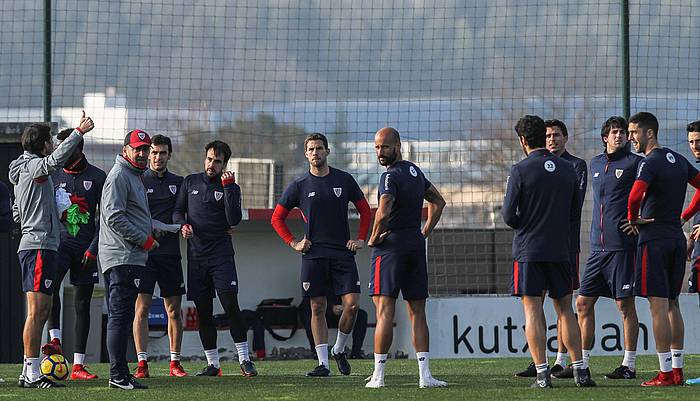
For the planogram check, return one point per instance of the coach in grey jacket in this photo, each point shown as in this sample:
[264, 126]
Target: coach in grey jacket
[125, 239]
[36, 212]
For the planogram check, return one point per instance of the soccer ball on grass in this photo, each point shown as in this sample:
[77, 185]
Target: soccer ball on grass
[54, 367]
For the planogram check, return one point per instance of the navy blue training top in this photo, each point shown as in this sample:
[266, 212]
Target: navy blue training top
[582, 181]
[667, 174]
[211, 209]
[541, 202]
[407, 184]
[612, 177]
[86, 184]
[323, 202]
[162, 195]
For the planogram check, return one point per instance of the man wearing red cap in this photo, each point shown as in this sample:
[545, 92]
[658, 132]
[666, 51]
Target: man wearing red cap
[125, 239]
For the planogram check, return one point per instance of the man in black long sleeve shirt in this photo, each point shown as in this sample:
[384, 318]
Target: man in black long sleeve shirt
[542, 219]
[208, 206]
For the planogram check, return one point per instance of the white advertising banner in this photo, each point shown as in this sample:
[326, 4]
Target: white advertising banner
[477, 327]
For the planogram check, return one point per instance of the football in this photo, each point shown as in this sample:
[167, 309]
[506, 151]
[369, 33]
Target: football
[54, 367]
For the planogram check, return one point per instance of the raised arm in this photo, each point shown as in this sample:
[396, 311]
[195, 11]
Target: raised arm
[232, 198]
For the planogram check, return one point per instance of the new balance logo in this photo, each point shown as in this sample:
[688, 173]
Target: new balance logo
[676, 355]
[421, 359]
[382, 361]
[311, 194]
[195, 192]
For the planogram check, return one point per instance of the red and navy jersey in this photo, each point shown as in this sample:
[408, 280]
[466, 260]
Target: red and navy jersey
[407, 184]
[582, 181]
[541, 203]
[612, 177]
[663, 176]
[162, 195]
[211, 208]
[323, 202]
[85, 186]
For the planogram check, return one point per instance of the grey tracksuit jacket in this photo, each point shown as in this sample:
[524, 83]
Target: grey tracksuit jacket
[35, 200]
[125, 220]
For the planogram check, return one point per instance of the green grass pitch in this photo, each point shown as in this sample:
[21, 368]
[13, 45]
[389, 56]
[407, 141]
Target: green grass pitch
[469, 379]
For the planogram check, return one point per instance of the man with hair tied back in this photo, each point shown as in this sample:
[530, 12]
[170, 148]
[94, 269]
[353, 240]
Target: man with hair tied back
[36, 212]
[542, 220]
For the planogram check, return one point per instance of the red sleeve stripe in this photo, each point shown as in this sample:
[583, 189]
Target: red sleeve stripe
[278, 217]
[365, 218]
[635, 199]
[693, 208]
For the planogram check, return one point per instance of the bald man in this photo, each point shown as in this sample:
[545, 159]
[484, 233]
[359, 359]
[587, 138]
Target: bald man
[398, 253]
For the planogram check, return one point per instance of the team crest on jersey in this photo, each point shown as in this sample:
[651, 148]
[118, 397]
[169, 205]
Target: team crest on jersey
[618, 172]
[413, 171]
[671, 159]
[218, 195]
[173, 189]
[337, 192]
[47, 283]
[549, 166]
[87, 185]
[137, 281]
[306, 285]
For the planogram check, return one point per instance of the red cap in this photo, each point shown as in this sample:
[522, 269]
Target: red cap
[137, 138]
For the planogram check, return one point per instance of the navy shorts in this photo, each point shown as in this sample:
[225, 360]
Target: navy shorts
[39, 268]
[609, 274]
[575, 271]
[535, 278]
[206, 276]
[320, 276]
[694, 276]
[660, 268]
[164, 270]
[392, 272]
[71, 259]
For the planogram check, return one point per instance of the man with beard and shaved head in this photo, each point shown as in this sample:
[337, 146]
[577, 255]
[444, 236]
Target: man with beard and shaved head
[77, 254]
[328, 254]
[654, 206]
[399, 255]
